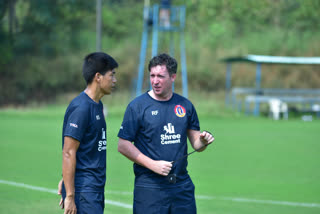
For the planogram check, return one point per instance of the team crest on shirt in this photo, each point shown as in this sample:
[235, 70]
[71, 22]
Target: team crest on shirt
[180, 110]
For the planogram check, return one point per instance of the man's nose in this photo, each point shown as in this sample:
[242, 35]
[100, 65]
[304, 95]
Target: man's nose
[156, 80]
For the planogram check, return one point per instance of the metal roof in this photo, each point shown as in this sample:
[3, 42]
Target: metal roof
[274, 59]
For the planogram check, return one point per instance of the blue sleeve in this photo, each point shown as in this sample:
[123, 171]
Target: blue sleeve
[77, 123]
[130, 125]
[193, 121]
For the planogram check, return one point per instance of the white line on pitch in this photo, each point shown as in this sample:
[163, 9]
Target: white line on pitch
[259, 201]
[203, 197]
[42, 189]
[237, 199]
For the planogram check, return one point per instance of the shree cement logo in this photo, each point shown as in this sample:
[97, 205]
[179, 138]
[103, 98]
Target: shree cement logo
[169, 137]
[102, 145]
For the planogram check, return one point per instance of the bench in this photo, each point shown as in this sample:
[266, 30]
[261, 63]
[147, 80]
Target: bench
[237, 94]
[258, 99]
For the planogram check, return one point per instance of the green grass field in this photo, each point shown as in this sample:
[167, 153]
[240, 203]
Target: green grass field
[256, 165]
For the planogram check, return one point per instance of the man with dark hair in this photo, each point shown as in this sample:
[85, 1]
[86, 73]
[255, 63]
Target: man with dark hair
[159, 123]
[84, 139]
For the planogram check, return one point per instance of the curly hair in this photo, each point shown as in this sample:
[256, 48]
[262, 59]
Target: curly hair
[164, 59]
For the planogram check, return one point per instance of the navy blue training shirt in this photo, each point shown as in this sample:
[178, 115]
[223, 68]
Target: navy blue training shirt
[159, 130]
[84, 121]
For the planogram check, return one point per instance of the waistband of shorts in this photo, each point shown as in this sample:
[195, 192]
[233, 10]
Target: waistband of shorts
[162, 186]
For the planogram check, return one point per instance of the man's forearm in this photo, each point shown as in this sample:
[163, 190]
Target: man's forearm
[132, 153]
[198, 140]
[68, 170]
[199, 146]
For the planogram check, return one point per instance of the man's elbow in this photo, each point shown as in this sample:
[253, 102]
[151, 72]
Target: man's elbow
[121, 148]
[124, 147]
[67, 154]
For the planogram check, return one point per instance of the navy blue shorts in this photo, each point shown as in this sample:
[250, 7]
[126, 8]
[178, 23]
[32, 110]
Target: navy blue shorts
[165, 200]
[89, 202]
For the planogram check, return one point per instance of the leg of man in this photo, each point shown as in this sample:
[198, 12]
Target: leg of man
[183, 200]
[150, 201]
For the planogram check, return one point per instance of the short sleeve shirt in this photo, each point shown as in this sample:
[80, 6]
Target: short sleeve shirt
[159, 130]
[84, 121]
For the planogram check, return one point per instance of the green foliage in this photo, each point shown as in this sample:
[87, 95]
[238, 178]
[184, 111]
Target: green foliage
[120, 20]
[46, 29]
[39, 79]
[42, 43]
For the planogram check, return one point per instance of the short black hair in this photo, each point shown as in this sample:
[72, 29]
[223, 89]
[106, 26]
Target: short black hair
[97, 62]
[164, 59]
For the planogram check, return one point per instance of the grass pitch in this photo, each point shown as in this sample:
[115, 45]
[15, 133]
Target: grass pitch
[256, 165]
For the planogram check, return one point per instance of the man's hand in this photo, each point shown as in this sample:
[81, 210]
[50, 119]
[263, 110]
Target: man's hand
[206, 137]
[61, 204]
[69, 205]
[161, 167]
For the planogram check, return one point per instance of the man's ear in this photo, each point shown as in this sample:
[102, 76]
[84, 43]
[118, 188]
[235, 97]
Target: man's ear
[97, 77]
[173, 77]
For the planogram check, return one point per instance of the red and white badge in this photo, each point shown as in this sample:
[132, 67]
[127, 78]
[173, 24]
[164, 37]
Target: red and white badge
[180, 111]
